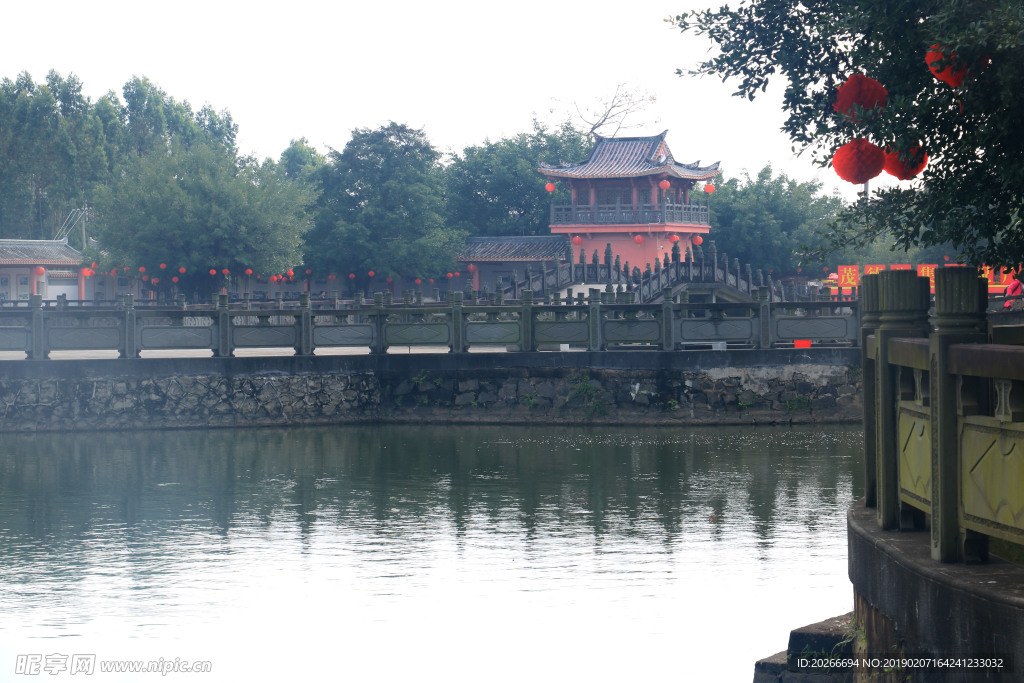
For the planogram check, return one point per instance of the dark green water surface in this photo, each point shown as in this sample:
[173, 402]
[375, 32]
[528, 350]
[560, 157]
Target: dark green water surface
[415, 553]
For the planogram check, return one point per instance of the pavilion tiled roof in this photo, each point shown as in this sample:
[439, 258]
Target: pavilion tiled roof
[630, 157]
[38, 253]
[497, 249]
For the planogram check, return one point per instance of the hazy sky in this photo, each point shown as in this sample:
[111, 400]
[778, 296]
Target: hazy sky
[463, 71]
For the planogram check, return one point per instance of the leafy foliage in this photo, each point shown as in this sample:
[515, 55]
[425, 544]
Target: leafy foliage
[763, 221]
[380, 207]
[198, 207]
[494, 188]
[971, 192]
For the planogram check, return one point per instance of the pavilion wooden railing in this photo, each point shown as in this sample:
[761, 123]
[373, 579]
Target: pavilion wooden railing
[629, 214]
[598, 321]
[943, 412]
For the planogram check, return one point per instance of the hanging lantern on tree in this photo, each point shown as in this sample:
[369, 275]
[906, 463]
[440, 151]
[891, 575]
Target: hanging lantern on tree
[639, 239]
[709, 188]
[213, 271]
[248, 271]
[916, 160]
[182, 270]
[471, 267]
[858, 161]
[331, 276]
[145, 278]
[954, 71]
[225, 272]
[577, 240]
[550, 187]
[418, 281]
[163, 266]
[351, 276]
[389, 279]
[273, 278]
[290, 273]
[673, 239]
[174, 279]
[862, 92]
[142, 269]
[309, 271]
[156, 281]
[665, 184]
[697, 240]
[371, 273]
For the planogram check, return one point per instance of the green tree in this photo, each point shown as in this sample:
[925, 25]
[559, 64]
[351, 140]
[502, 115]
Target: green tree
[300, 161]
[380, 207]
[494, 188]
[52, 146]
[199, 207]
[971, 192]
[762, 221]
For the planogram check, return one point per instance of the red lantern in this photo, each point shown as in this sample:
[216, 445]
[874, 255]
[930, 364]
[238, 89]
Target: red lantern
[113, 272]
[697, 240]
[456, 273]
[351, 276]
[917, 159]
[449, 276]
[290, 273]
[163, 266]
[955, 71]
[471, 267]
[665, 184]
[225, 271]
[93, 265]
[309, 271]
[145, 278]
[182, 270]
[86, 272]
[174, 279]
[577, 240]
[858, 161]
[39, 270]
[639, 239]
[673, 239]
[430, 280]
[213, 271]
[550, 187]
[860, 91]
[248, 271]
[331, 276]
[371, 273]
[389, 279]
[709, 188]
[142, 269]
[419, 281]
[156, 281]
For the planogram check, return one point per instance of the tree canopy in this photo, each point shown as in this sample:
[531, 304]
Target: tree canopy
[198, 207]
[380, 207]
[494, 188]
[764, 220]
[970, 193]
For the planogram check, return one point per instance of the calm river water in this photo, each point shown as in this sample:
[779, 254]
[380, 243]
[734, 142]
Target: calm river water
[421, 553]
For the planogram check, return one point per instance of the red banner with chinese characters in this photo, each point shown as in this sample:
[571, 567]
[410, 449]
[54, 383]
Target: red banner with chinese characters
[849, 276]
[928, 270]
[871, 270]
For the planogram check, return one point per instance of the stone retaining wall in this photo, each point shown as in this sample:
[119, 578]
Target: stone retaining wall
[647, 388]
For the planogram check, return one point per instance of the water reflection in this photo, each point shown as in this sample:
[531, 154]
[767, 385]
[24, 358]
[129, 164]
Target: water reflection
[158, 532]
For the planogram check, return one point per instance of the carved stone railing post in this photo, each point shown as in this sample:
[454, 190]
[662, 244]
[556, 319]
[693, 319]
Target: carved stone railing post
[870, 318]
[37, 343]
[903, 300]
[526, 321]
[668, 322]
[224, 340]
[458, 338]
[764, 315]
[960, 301]
[304, 347]
[380, 320]
[594, 318]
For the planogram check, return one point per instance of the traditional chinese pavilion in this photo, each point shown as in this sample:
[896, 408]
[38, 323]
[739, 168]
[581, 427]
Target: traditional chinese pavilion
[632, 193]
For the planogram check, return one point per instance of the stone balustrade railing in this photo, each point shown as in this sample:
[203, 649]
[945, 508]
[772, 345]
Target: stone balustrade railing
[597, 321]
[943, 412]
